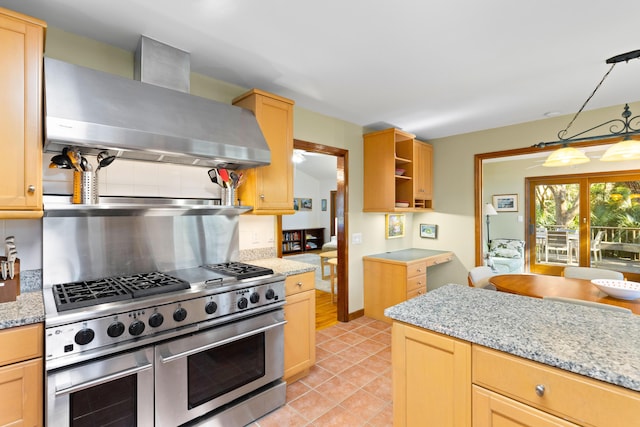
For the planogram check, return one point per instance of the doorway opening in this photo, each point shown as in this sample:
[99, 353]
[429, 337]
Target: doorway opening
[338, 209]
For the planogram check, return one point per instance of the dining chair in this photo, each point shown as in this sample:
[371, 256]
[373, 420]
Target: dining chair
[479, 277]
[558, 241]
[596, 250]
[591, 304]
[589, 273]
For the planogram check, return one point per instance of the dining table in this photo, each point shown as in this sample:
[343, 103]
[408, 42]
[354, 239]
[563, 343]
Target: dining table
[540, 286]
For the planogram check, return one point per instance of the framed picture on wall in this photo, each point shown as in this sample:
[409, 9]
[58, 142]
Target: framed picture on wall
[505, 202]
[394, 225]
[306, 204]
[429, 231]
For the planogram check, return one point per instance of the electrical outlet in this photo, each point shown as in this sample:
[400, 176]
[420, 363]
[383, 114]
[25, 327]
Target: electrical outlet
[356, 238]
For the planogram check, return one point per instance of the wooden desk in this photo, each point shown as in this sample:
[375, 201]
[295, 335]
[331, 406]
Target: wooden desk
[538, 286]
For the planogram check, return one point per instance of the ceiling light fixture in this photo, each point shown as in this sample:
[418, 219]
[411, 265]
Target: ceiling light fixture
[627, 149]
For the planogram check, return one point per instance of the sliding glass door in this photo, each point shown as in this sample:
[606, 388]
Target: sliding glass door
[585, 220]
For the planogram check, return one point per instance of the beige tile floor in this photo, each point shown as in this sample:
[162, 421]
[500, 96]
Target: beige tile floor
[350, 385]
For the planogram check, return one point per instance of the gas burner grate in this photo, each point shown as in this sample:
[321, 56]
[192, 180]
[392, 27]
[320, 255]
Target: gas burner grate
[69, 296]
[239, 270]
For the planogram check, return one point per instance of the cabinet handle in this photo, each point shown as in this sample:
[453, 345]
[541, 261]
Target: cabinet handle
[419, 283]
[299, 284]
[419, 270]
[31, 188]
[262, 196]
[540, 390]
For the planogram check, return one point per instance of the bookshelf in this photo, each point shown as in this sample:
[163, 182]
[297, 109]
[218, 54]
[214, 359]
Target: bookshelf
[302, 240]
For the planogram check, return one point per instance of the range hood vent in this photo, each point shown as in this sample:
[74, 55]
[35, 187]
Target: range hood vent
[98, 111]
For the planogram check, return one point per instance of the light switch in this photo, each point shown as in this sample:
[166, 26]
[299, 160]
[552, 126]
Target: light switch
[356, 238]
[520, 218]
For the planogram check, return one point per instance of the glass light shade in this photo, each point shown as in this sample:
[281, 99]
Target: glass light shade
[623, 150]
[566, 156]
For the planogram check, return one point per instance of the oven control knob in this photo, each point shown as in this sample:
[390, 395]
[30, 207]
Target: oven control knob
[254, 298]
[180, 314]
[136, 328]
[242, 303]
[156, 320]
[270, 294]
[84, 336]
[211, 307]
[115, 329]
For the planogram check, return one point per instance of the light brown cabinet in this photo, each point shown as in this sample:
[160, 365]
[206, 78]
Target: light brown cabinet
[21, 53]
[21, 382]
[299, 331]
[269, 189]
[397, 169]
[569, 396]
[423, 171]
[431, 378]
[388, 282]
[441, 380]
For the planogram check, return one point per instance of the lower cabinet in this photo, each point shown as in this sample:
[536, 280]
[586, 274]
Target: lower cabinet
[299, 331]
[443, 381]
[21, 376]
[494, 410]
[431, 378]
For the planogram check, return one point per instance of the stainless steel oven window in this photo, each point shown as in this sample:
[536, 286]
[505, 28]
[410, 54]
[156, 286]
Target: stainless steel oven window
[110, 404]
[215, 372]
[71, 390]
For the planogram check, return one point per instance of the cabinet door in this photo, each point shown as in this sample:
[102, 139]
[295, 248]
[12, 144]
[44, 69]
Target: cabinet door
[21, 394]
[493, 410]
[423, 173]
[269, 189]
[299, 334]
[431, 378]
[21, 51]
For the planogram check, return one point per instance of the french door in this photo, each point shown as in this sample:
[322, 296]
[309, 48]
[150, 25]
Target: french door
[584, 220]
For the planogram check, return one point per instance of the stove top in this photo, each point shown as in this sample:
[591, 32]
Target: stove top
[69, 296]
[239, 270]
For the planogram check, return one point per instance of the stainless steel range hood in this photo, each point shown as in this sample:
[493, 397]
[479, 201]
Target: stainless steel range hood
[95, 111]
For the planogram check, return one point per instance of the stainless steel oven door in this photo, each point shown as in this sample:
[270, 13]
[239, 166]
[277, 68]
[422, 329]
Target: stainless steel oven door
[117, 390]
[201, 372]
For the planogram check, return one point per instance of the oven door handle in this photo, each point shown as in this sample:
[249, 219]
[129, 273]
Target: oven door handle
[104, 379]
[167, 359]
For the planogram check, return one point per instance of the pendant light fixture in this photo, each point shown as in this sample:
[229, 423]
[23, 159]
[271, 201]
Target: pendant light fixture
[627, 149]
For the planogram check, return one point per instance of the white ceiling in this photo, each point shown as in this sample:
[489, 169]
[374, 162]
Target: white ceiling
[431, 68]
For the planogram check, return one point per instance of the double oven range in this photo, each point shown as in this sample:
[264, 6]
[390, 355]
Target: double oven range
[197, 340]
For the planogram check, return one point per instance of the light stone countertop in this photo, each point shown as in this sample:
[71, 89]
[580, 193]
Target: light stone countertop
[596, 343]
[283, 266]
[28, 308]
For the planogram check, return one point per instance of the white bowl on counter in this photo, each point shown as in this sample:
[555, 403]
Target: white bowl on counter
[622, 289]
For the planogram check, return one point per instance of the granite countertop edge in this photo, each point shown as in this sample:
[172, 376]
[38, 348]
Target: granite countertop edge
[595, 343]
[28, 308]
[284, 266]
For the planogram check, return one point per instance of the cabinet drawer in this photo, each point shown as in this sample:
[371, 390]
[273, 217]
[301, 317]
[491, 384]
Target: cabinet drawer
[21, 343]
[417, 282]
[439, 259]
[416, 292]
[571, 396]
[416, 269]
[299, 283]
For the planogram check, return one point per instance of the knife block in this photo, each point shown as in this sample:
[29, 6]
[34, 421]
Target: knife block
[10, 288]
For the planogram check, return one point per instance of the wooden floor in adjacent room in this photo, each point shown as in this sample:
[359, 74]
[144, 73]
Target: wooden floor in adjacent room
[326, 311]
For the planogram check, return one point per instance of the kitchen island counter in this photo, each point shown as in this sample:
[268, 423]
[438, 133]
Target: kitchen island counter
[28, 308]
[588, 341]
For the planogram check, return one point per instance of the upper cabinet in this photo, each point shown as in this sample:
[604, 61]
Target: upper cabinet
[21, 52]
[397, 172]
[269, 189]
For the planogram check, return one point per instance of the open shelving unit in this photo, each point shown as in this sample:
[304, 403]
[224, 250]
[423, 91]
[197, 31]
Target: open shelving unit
[302, 240]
